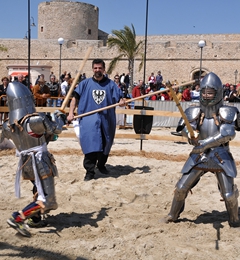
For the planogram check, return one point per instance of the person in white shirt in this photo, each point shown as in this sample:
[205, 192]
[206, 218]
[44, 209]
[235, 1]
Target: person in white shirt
[65, 86]
[195, 94]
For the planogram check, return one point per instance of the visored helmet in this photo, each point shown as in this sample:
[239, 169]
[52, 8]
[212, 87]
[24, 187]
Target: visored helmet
[211, 90]
[20, 101]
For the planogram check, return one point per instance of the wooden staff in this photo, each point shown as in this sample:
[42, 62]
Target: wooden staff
[134, 99]
[189, 127]
[66, 99]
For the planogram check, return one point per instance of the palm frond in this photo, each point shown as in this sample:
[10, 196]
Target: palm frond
[125, 42]
[113, 64]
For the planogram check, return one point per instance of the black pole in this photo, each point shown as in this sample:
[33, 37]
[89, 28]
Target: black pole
[200, 65]
[145, 51]
[29, 44]
[60, 61]
[144, 67]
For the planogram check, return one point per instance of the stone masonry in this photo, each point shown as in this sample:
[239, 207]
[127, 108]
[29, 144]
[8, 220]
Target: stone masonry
[177, 56]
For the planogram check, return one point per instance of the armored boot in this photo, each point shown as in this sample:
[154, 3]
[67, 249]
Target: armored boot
[231, 203]
[177, 207]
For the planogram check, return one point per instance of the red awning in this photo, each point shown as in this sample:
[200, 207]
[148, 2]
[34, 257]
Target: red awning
[15, 73]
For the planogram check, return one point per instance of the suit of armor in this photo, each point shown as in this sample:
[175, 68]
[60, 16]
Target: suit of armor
[31, 132]
[215, 125]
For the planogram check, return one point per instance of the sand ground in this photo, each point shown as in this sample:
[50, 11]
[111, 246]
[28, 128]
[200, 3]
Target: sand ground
[117, 216]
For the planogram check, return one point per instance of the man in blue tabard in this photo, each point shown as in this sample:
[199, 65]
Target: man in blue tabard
[96, 130]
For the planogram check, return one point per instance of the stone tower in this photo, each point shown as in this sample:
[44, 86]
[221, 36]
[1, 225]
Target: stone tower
[67, 19]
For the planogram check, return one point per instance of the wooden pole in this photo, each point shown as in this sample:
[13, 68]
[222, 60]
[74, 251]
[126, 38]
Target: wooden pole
[189, 127]
[66, 99]
[133, 99]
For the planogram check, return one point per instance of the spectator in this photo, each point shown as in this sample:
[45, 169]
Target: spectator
[153, 89]
[151, 78]
[232, 93]
[20, 78]
[127, 80]
[187, 94]
[117, 80]
[120, 117]
[83, 76]
[226, 90]
[54, 91]
[138, 90]
[122, 86]
[195, 93]
[237, 86]
[148, 88]
[3, 99]
[98, 129]
[237, 95]
[164, 96]
[41, 92]
[62, 77]
[9, 78]
[178, 93]
[41, 76]
[65, 86]
[159, 80]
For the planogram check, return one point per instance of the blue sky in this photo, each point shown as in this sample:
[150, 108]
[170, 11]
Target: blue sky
[164, 17]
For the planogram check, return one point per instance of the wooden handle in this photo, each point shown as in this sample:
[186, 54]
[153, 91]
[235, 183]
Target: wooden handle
[133, 99]
[65, 101]
[189, 127]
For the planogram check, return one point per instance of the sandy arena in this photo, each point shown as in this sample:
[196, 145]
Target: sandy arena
[117, 216]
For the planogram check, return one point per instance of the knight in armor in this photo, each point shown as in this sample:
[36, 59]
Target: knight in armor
[31, 132]
[214, 125]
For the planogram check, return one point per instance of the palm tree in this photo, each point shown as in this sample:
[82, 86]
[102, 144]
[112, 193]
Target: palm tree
[125, 41]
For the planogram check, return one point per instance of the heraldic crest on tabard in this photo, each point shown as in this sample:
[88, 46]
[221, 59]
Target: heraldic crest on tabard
[98, 96]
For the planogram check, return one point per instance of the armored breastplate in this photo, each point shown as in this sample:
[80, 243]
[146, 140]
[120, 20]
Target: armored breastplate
[23, 140]
[208, 128]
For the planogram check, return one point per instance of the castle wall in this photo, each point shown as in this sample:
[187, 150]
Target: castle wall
[177, 56]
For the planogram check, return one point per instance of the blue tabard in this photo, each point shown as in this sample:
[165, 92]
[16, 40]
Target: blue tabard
[97, 130]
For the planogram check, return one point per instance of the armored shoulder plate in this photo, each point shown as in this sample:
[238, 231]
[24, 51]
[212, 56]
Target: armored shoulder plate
[228, 114]
[36, 124]
[192, 113]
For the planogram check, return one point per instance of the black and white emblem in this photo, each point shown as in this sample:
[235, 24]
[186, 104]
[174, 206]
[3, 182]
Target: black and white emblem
[99, 96]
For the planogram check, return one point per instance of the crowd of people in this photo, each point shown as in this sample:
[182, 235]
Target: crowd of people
[51, 93]
[231, 92]
[48, 93]
[188, 93]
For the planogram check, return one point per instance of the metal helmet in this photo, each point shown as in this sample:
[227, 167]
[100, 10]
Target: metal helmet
[211, 90]
[20, 101]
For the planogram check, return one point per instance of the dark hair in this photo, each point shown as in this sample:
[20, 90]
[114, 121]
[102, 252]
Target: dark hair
[5, 78]
[97, 61]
